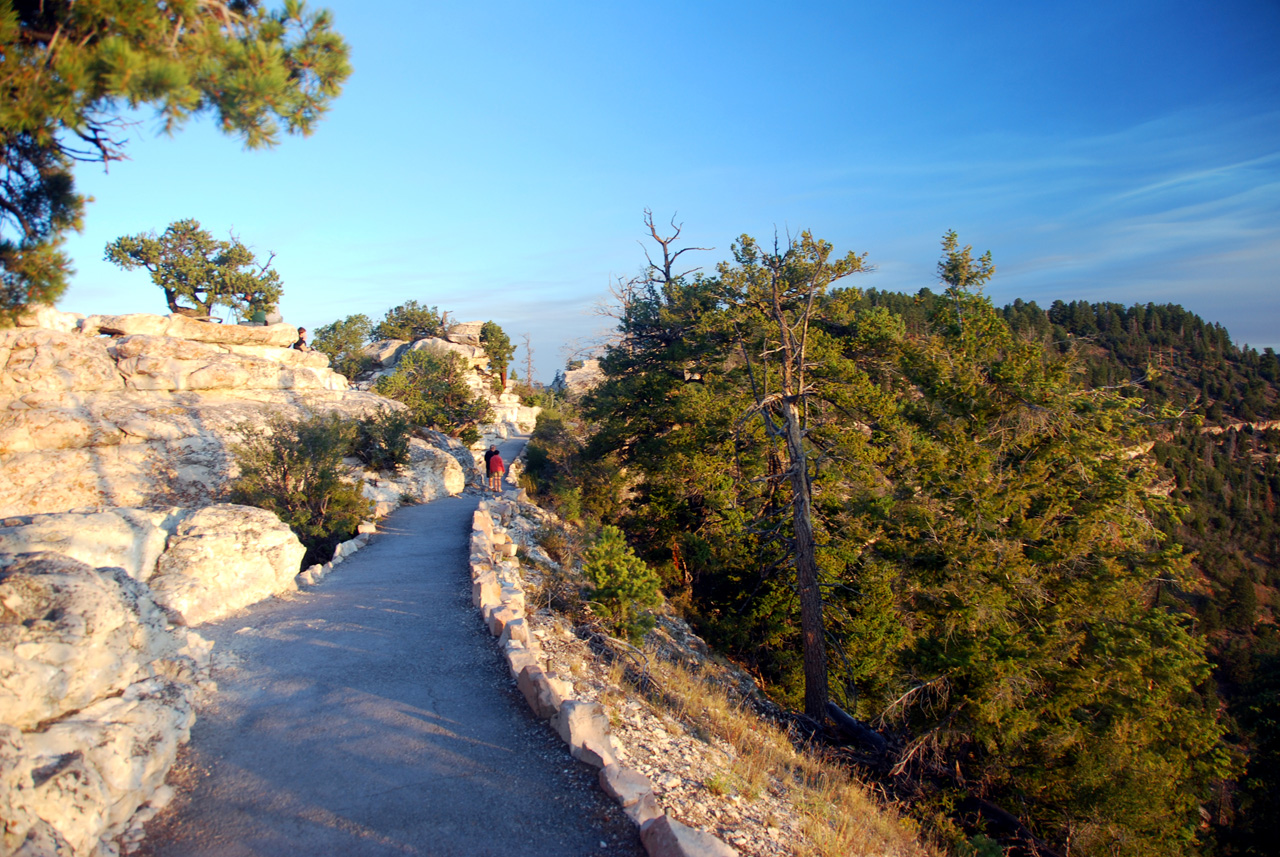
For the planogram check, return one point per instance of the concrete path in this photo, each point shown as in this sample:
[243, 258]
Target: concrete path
[374, 715]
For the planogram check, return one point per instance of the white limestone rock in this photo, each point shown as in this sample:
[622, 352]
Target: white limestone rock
[465, 333]
[140, 448]
[665, 837]
[36, 360]
[385, 353]
[131, 539]
[44, 315]
[222, 558]
[85, 776]
[165, 363]
[584, 378]
[472, 356]
[71, 635]
[183, 327]
[430, 474]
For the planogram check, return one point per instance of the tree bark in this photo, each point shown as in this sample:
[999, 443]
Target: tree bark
[811, 631]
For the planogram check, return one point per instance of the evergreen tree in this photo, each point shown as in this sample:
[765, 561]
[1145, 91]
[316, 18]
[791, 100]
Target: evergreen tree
[190, 265]
[986, 537]
[498, 346]
[430, 383]
[771, 299]
[624, 588]
[70, 70]
[343, 341]
[410, 321]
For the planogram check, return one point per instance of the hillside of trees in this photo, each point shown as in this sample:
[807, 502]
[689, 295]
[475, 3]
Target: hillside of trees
[1042, 542]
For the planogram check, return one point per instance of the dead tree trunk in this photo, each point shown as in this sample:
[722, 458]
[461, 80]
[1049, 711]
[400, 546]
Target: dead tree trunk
[811, 627]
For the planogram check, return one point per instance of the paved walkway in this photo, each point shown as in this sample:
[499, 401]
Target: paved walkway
[374, 715]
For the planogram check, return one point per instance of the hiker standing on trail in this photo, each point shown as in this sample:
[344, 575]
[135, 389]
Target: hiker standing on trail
[488, 454]
[495, 467]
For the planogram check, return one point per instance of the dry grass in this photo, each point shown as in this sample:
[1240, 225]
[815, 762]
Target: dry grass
[839, 818]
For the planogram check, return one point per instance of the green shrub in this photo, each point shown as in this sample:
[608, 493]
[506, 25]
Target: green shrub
[382, 440]
[343, 342]
[567, 501]
[430, 383]
[621, 584]
[294, 468]
[409, 321]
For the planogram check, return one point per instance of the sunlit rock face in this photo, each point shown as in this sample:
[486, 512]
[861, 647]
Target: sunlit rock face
[222, 558]
[145, 416]
[117, 438]
[97, 697]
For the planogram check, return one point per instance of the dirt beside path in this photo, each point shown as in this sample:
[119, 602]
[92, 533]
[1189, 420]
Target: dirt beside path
[374, 715]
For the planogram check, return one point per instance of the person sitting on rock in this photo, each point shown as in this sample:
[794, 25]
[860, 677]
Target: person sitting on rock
[496, 468]
[301, 344]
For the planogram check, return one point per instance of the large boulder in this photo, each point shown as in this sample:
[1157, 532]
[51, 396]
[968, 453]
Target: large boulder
[79, 781]
[37, 360]
[222, 558]
[585, 378]
[465, 333]
[473, 356]
[71, 635]
[430, 474]
[44, 315]
[129, 539]
[165, 363]
[184, 327]
[385, 353]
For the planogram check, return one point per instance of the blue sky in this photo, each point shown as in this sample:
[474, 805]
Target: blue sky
[495, 159]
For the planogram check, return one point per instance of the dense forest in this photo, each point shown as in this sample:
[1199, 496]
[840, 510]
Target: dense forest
[1032, 553]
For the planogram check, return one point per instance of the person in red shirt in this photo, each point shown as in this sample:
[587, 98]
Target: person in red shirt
[496, 469]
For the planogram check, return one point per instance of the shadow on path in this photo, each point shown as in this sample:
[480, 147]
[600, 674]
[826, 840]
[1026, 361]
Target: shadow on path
[374, 715]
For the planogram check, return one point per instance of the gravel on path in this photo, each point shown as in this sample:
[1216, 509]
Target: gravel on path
[374, 715]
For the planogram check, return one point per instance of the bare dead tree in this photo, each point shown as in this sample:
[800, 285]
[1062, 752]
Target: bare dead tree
[528, 360]
[661, 274]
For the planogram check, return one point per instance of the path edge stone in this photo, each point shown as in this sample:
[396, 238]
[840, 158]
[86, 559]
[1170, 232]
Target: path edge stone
[498, 595]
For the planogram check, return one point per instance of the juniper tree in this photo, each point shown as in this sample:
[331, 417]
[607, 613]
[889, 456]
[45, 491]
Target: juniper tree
[498, 346]
[343, 341]
[199, 272]
[410, 321]
[70, 72]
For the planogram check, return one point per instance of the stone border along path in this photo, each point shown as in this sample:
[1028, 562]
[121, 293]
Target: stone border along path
[371, 716]
[497, 591]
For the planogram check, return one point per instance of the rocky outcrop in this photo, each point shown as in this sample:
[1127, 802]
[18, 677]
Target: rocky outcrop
[114, 452]
[198, 565]
[129, 539]
[97, 697]
[145, 418]
[510, 415]
[466, 333]
[185, 327]
[430, 474]
[223, 558]
[583, 379]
